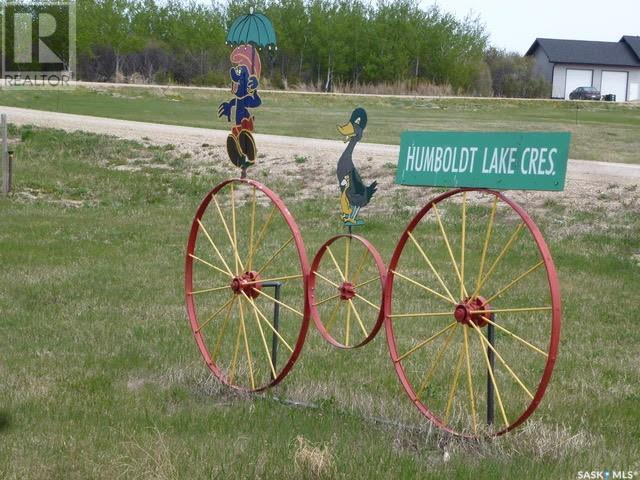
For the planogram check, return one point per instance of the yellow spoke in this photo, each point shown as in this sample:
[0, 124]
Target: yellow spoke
[246, 346]
[520, 277]
[226, 229]
[371, 304]
[355, 312]
[360, 268]
[506, 248]
[435, 272]
[264, 343]
[268, 262]
[347, 324]
[410, 280]
[274, 279]
[210, 265]
[204, 324]
[253, 221]
[510, 310]
[334, 315]
[327, 299]
[216, 349]
[261, 234]
[486, 242]
[454, 385]
[235, 356]
[425, 342]
[330, 282]
[233, 223]
[436, 363]
[508, 332]
[428, 314]
[346, 258]
[336, 264]
[472, 397]
[464, 236]
[214, 247]
[493, 379]
[278, 302]
[371, 280]
[488, 344]
[446, 241]
[267, 322]
[216, 289]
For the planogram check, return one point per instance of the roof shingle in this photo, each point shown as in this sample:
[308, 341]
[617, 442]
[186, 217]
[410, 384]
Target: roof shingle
[621, 54]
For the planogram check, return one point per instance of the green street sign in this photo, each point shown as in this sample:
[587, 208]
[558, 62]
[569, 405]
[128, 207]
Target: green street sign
[498, 160]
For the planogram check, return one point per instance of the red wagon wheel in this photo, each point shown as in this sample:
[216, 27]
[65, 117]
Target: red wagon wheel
[245, 285]
[346, 288]
[473, 314]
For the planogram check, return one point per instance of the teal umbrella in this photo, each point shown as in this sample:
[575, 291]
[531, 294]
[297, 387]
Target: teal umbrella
[254, 28]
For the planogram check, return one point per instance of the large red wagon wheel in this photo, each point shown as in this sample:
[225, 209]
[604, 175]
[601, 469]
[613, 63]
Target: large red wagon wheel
[473, 312]
[245, 285]
[346, 287]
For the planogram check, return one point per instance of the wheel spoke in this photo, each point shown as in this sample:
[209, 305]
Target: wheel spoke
[347, 324]
[207, 290]
[264, 344]
[346, 258]
[371, 280]
[210, 265]
[233, 223]
[327, 299]
[488, 344]
[428, 314]
[226, 229]
[360, 268]
[493, 379]
[330, 282]
[463, 290]
[267, 322]
[216, 349]
[436, 363]
[214, 247]
[508, 332]
[486, 242]
[336, 264]
[204, 324]
[262, 233]
[334, 316]
[234, 361]
[454, 384]
[371, 304]
[472, 397]
[268, 262]
[297, 312]
[446, 241]
[435, 272]
[426, 342]
[251, 231]
[274, 279]
[246, 346]
[510, 310]
[506, 248]
[355, 312]
[520, 277]
[410, 280]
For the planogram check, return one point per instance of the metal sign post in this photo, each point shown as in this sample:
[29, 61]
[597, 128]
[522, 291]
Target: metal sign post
[6, 168]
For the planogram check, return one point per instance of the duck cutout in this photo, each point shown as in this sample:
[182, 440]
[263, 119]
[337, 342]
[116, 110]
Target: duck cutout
[353, 193]
[245, 78]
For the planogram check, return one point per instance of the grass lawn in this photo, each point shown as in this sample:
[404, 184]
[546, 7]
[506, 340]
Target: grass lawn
[600, 131]
[100, 376]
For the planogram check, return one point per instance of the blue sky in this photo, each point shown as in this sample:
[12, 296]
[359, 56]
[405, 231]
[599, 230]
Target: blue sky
[514, 25]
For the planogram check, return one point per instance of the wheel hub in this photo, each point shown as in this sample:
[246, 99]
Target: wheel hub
[247, 283]
[464, 312]
[347, 291]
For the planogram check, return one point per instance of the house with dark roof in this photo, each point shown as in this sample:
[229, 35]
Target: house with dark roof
[611, 67]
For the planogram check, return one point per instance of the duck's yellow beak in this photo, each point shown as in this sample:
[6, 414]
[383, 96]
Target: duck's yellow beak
[347, 130]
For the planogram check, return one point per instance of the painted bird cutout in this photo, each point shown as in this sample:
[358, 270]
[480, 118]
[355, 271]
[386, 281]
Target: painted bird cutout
[353, 193]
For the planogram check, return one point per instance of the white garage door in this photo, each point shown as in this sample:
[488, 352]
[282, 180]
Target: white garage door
[616, 83]
[575, 79]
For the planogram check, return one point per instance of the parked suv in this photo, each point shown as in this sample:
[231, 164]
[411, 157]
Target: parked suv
[585, 93]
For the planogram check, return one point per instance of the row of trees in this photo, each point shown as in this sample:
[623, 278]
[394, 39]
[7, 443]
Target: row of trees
[320, 42]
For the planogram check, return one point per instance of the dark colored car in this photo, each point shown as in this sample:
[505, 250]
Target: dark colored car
[585, 93]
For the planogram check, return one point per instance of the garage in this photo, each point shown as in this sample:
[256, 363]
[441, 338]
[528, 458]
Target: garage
[577, 78]
[615, 83]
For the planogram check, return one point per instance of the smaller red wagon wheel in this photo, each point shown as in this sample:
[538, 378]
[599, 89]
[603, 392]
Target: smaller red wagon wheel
[245, 285]
[346, 289]
[473, 313]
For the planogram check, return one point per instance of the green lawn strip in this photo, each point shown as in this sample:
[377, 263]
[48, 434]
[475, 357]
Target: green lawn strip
[601, 131]
[100, 376]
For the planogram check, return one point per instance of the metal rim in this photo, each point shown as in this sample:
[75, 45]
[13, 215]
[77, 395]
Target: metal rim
[555, 309]
[313, 275]
[279, 205]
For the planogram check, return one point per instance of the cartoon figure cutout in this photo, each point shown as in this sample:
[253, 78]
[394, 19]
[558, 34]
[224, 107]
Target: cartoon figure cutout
[353, 193]
[245, 78]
